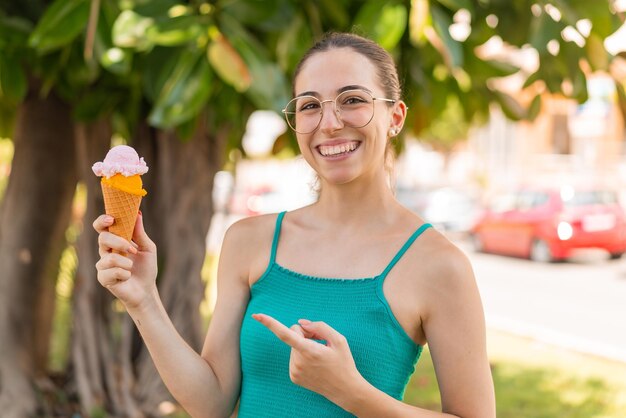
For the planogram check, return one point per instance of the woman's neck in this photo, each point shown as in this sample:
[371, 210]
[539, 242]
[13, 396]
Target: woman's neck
[356, 202]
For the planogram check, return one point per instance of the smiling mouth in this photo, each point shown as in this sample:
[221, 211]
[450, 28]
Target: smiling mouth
[338, 150]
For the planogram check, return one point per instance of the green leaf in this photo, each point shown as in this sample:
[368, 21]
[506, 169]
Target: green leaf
[482, 70]
[175, 31]
[185, 93]
[534, 77]
[580, 92]
[95, 104]
[157, 68]
[117, 60]
[449, 127]
[251, 11]
[268, 15]
[597, 55]
[296, 40]
[104, 50]
[543, 29]
[501, 68]
[186, 129]
[336, 13]
[269, 88]
[453, 51]
[621, 97]
[8, 114]
[391, 26]
[14, 32]
[228, 64]
[603, 22]
[48, 69]
[154, 8]
[129, 31]
[515, 21]
[535, 108]
[13, 84]
[60, 24]
[78, 73]
[382, 22]
[232, 108]
[509, 105]
[455, 5]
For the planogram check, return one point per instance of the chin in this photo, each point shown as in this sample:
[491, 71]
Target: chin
[339, 179]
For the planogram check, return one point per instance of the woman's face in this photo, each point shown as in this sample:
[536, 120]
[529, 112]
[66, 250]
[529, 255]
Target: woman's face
[337, 152]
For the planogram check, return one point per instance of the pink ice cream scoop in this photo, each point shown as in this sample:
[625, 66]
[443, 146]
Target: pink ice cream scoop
[120, 159]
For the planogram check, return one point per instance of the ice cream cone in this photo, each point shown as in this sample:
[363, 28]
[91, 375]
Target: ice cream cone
[123, 207]
[122, 187]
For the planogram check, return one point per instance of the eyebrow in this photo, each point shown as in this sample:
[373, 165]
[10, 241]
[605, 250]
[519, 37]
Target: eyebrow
[339, 90]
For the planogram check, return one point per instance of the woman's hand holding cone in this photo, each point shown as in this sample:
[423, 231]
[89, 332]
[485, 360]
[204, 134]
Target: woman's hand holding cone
[131, 278]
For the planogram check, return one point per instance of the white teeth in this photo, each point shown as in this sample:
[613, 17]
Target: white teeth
[332, 150]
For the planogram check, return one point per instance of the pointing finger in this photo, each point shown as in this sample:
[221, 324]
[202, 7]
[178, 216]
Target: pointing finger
[290, 337]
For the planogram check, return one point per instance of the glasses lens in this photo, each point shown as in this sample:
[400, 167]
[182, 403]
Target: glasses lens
[303, 114]
[356, 108]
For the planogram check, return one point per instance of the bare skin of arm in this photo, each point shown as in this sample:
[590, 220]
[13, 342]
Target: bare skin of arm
[206, 384]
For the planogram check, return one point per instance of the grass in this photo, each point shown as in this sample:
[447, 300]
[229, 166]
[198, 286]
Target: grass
[535, 380]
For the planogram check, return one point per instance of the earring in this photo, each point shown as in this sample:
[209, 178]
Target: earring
[393, 132]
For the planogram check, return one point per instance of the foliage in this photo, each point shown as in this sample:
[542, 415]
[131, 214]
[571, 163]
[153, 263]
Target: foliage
[167, 61]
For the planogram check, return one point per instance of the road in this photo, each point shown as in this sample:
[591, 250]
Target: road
[580, 304]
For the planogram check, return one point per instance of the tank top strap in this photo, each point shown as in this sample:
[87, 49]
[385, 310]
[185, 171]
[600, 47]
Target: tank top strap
[279, 221]
[404, 248]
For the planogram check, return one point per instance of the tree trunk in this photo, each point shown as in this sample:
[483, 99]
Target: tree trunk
[34, 215]
[99, 360]
[180, 184]
[112, 368]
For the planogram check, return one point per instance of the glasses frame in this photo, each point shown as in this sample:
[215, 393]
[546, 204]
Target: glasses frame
[337, 112]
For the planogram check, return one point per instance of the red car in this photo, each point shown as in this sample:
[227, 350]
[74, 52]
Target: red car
[547, 224]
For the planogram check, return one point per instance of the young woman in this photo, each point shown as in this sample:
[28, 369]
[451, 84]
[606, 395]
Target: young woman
[323, 311]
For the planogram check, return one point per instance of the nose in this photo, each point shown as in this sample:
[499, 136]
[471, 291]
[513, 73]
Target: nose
[331, 118]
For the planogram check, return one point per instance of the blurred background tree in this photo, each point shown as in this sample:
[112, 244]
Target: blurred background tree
[178, 80]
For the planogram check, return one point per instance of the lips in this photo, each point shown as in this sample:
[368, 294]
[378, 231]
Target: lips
[335, 150]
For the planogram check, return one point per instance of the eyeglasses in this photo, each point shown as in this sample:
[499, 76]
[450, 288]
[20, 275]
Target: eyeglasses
[354, 108]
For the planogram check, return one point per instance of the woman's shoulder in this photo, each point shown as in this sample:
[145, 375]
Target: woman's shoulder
[251, 230]
[441, 261]
[247, 244]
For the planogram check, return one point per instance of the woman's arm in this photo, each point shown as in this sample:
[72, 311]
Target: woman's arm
[454, 325]
[207, 385]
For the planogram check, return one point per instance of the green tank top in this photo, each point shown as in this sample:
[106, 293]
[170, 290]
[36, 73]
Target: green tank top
[384, 354]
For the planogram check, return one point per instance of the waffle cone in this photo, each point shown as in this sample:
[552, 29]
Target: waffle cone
[123, 207]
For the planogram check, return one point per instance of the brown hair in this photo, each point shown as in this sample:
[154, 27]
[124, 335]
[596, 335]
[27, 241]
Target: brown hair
[382, 60]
